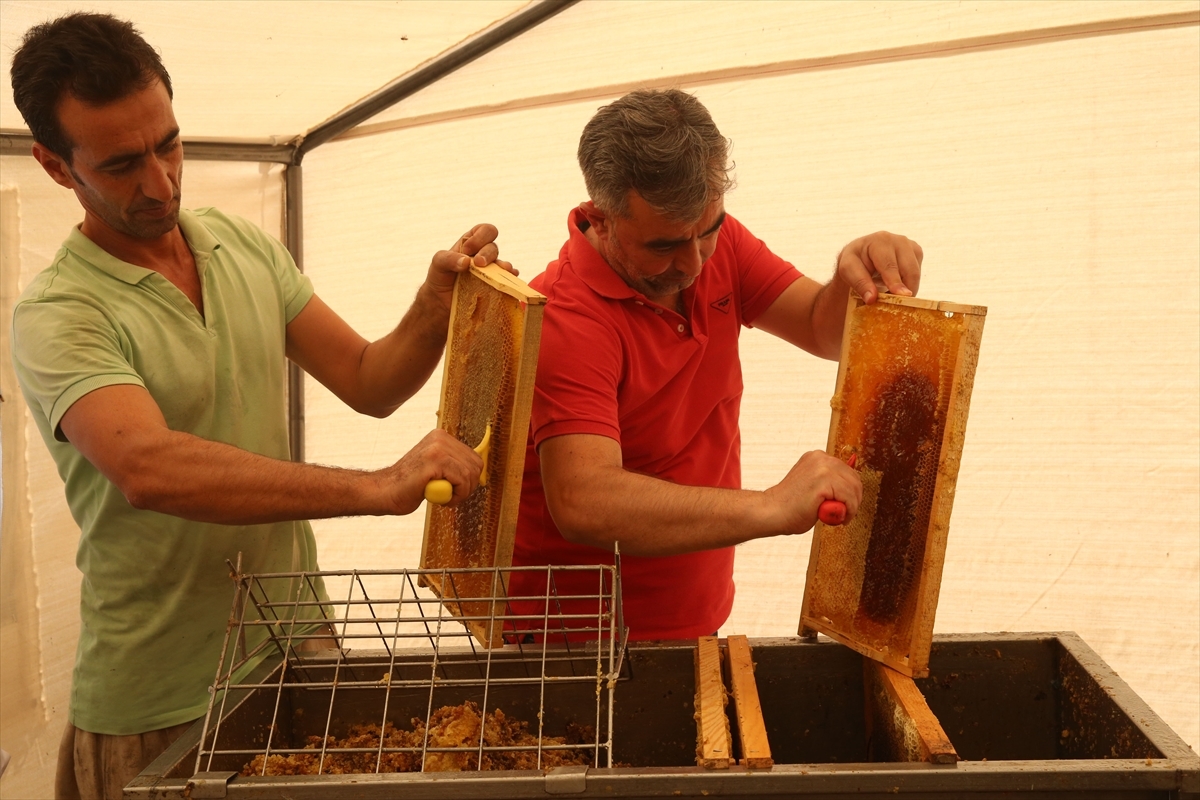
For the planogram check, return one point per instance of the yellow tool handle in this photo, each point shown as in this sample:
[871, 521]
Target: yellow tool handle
[440, 491]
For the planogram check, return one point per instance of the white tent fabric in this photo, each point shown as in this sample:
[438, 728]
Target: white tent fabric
[1046, 156]
[270, 70]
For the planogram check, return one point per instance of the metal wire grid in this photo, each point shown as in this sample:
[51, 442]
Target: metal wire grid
[555, 648]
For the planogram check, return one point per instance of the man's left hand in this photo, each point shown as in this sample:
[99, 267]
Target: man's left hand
[881, 260]
[475, 247]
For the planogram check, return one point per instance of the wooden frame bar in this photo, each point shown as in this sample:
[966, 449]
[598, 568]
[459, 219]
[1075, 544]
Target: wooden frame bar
[900, 725]
[900, 407]
[714, 748]
[752, 731]
[487, 380]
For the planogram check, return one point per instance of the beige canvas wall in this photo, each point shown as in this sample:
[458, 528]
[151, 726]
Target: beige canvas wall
[39, 582]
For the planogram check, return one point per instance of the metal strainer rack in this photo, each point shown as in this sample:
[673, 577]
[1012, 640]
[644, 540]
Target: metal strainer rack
[369, 649]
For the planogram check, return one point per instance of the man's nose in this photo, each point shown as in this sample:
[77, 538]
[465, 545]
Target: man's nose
[691, 259]
[158, 180]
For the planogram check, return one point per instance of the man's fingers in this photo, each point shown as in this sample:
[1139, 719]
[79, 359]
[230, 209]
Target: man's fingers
[882, 261]
[486, 255]
[816, 479]
[910, 265]
[448, 459]
[444, 268]
[479, 244]
[840, 480]
[473, 241]
[881, 258]
[858, 275]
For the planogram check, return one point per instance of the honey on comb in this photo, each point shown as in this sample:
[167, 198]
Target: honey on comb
[900, 408]
[479, 390]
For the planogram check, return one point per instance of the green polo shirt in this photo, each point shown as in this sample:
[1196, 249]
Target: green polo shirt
[156, 593]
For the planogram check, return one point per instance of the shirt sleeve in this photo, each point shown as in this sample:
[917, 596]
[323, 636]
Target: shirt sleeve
[762, 275]
[578, 375]
[64, 349]
[296, 287]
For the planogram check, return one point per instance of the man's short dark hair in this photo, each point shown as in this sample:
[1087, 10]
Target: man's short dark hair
[664, 145]
[96, 58]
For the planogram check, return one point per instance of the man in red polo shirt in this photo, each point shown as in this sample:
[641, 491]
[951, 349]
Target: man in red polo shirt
[634, 433]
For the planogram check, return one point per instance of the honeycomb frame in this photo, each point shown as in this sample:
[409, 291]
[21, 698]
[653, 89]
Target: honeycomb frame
[900, 406]
[487, 379]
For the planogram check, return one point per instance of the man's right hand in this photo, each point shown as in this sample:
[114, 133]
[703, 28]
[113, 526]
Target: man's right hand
[815, 478]
[438, 455]
[477, 247]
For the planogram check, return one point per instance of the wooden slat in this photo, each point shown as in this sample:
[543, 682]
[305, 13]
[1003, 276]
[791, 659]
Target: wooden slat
[752, 731]
[900, 724]
[933, 305]
[713, 747]
[504, 281]
[943, 492]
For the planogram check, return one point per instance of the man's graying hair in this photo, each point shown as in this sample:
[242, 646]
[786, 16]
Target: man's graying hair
[96, 58]
[661, 143]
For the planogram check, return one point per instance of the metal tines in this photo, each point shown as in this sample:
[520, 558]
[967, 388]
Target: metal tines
[316, 665]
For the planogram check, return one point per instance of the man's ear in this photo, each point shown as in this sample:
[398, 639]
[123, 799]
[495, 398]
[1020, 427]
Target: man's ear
[596, 218]
[56, 167]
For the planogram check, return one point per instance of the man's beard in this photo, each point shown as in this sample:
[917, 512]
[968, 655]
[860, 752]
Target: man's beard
[129, 224]
[662, 285]
[668, 283]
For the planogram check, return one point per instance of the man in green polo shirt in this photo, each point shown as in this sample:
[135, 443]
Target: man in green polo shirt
[152, 355]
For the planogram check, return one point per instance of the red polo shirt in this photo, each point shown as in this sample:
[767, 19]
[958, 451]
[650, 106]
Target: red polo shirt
[668, 389]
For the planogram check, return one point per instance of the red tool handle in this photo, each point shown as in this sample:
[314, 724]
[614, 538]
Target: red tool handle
[833, 512]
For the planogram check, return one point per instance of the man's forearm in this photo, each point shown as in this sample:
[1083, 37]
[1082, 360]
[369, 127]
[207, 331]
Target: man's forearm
[595, 501]
[829, 317]
[206, 481]
[395, 367]
[652, 517]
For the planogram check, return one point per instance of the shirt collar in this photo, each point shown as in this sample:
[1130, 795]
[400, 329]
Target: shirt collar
[591, 266]
[198, 237]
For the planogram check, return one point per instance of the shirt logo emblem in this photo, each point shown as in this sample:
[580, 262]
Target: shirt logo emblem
[722, 305]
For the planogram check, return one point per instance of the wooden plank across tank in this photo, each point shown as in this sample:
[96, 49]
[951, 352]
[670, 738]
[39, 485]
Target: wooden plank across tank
[900, 407]
[487, 379]
[900, 724]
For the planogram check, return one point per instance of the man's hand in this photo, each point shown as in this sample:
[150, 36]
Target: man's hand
[881, 260]
[815, 478]
[812, 316]
[438, 455]
[475, 247]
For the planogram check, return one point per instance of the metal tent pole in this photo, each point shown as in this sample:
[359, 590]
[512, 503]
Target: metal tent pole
[293, 229]
[423, 76]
